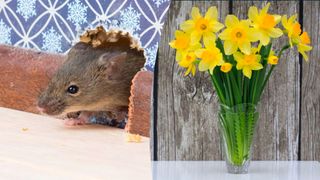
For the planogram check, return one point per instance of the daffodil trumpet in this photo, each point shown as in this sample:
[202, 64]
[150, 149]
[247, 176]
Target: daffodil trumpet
[240, 57]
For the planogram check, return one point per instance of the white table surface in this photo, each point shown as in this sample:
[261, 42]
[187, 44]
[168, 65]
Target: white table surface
[48, 150]
[39, 147]
[216, 170]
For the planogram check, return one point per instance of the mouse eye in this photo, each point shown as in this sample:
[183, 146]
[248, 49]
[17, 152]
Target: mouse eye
[73, 89]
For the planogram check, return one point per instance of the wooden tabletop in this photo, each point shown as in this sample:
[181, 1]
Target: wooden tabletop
[40, 147]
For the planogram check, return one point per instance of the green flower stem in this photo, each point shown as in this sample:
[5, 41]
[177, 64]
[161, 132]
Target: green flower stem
[235, 88]
[229, 87]
[218, 88]
[237, 125]
[258, 81]
[245, 89]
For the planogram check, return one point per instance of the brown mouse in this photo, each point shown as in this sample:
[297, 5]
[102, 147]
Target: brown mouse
[96, 76]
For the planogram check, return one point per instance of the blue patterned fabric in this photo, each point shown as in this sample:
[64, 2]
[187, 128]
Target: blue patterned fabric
[54, 25]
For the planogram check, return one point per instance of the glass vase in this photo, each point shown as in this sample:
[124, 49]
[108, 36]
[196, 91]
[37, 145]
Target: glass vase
[237, 127]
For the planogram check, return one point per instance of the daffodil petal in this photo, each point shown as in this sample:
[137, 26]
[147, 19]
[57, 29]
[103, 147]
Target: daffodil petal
[253, 35]
[253, 13]
[209, 39]
[216, 26]
[256, 66]
[203, 66]
[187, 26]
[231, 20]
[172, 44]
[225, 35]
[195, 37]
[293, 18]
[302, 48]
[211, 70]
[184, 63]
[212, 66]
[193, 70]
[265, 9]
[178, 33]
[284, 21]
[199, 52]
[230, 47]
[246, 22]
[305, 56]
[220, 58]
[305, 47]
[195, 46]
[275, 33]
[178, 56]
[245, 47]
[264, 38]
[212, 13]
[238, 56]
[188, 71]
[239, 65]
[195, 13]
[247, 72]
[277, 18]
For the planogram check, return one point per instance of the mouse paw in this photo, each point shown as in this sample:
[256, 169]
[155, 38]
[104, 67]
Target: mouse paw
[76, 121]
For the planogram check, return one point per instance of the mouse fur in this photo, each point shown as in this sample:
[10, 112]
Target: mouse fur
[102, 72]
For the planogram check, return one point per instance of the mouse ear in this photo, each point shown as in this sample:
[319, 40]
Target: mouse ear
[112, 62]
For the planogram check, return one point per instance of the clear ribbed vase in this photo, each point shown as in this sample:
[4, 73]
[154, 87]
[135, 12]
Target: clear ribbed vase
[237, 127]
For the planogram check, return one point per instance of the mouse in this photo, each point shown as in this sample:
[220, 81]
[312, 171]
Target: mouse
[95, 77]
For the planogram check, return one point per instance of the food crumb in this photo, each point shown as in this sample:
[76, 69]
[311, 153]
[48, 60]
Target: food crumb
[133, 138]
[24, 129]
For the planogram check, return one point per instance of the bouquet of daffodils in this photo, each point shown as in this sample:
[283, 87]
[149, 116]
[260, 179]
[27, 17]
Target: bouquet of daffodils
[240, 57]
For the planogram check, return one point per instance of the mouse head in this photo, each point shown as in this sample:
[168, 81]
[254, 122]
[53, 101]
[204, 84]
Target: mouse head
[90, 80]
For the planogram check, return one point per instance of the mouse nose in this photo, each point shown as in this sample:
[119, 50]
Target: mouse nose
[41, 109]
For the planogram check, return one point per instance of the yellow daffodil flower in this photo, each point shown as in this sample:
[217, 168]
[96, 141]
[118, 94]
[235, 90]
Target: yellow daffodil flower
[226, 67]
[303, 46]
[247, 63]
[238, 34]
[210, 57]
[272, 59]
[292, 28]
[200, 26]
[188, 61]
[265, 23]
[182, 43]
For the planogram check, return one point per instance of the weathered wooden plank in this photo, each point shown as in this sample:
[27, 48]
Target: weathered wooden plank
[186, 121]
[278, 129]
[186, 117]
[310, 99]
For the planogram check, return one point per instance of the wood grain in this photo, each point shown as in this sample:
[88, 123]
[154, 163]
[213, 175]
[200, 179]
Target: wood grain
[186, 119]
[310, 91]
[187, 106]
[278, 127]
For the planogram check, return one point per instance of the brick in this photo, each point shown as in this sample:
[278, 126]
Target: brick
[140, 104]
[24, 73]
